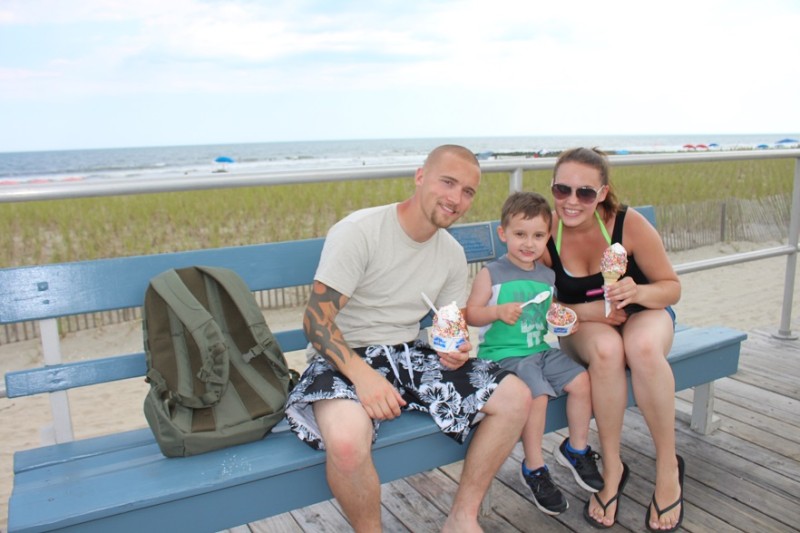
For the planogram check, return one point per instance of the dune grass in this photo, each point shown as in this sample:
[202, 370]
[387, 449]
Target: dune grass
[89, 228]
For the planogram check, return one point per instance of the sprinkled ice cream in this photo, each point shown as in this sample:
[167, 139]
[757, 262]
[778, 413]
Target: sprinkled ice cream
[560, 319]
[615, 259]
[613, 265]
[449, 329]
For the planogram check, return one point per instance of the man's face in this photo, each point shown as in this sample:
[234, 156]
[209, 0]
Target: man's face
[447, 187]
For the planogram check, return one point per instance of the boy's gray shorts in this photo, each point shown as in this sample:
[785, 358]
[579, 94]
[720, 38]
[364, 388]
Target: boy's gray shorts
[545, 372]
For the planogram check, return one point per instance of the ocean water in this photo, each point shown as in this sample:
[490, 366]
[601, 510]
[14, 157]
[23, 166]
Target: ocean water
[151, 162]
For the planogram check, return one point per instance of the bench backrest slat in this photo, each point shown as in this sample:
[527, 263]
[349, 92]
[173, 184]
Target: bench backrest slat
[47, 291]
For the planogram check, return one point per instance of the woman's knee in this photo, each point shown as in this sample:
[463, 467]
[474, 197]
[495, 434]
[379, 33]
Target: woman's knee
[647, 354]
[606, 355]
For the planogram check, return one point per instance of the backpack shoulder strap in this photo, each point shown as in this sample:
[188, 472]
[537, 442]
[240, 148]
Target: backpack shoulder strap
[206, 333]
[243, 298]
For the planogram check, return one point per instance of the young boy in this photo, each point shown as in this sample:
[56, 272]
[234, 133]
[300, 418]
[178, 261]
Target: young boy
[513, 336]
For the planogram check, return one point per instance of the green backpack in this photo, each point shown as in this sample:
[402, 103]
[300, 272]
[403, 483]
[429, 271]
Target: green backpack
[217, 376]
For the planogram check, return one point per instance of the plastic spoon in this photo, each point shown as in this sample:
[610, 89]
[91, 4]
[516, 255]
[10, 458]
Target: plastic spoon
[539, 298]
[429, 302]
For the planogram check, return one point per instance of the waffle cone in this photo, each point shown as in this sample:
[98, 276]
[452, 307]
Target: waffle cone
[610, 278]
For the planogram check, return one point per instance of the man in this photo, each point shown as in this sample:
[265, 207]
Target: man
[362, 322]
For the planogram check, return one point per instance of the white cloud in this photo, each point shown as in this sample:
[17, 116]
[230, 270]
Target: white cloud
[546, 66]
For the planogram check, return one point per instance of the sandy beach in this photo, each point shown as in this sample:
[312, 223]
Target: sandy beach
[744, 296]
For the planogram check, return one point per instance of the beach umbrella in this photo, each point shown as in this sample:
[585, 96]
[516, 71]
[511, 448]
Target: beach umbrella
[223, 160]
[688, 147]
[762, 146]
[787, 141]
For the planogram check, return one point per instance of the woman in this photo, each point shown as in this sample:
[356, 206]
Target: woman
[637, 332]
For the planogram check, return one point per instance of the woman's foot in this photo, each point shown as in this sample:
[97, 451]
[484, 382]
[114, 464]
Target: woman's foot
[605, 514]
[666, 517]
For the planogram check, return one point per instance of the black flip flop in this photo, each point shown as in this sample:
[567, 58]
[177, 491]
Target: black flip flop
[615, 498]
[679, 501]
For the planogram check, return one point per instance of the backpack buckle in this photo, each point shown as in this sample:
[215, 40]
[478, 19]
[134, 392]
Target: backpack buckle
[256, 350]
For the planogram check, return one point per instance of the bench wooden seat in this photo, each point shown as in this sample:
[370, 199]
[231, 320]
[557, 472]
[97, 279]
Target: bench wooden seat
[121, 482]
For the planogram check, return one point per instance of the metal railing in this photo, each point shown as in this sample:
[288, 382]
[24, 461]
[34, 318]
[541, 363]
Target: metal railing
[514, 168]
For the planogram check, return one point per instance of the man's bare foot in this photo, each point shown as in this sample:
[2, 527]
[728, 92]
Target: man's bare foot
[461, 524]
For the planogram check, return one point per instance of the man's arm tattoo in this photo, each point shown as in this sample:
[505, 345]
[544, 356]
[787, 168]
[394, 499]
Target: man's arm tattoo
[320, 327]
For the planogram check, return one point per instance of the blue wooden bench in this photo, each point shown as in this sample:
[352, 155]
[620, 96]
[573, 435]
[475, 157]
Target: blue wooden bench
[121, 482]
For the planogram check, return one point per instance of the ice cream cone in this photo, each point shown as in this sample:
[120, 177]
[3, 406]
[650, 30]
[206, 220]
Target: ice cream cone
[609, 278]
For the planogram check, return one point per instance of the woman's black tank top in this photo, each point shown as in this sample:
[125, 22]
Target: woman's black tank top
[572, 290]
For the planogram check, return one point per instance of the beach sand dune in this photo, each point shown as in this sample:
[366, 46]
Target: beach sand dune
[745, 296]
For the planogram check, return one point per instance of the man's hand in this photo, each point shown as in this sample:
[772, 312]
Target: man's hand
[380, 399]
[455, 360]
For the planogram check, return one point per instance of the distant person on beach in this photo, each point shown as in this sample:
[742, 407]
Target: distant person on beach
[637, 333]
[513, 335]
[367, 364]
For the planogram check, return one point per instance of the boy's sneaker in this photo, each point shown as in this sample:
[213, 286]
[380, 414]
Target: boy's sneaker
[546, 495]
[583, 466]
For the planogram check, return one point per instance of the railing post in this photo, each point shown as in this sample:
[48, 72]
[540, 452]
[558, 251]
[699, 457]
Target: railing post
[784, 330]
[515, 180]
[61, 428]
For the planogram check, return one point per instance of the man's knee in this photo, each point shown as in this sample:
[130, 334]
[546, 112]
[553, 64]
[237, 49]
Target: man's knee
[348, 452]
[347, 434]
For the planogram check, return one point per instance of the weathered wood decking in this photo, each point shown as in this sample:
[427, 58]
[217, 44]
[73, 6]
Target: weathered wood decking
[744, 477]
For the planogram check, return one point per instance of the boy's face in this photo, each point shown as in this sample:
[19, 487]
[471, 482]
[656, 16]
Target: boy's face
[526, 239]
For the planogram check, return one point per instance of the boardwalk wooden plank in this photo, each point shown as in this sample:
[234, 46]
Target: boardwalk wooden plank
[757, 376]
[322, 517]
[282, 523]
[436, 487]
[411, 508]
[749, 397]
[767, 432]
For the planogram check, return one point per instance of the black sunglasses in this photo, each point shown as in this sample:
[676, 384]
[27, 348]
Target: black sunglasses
[585, 194]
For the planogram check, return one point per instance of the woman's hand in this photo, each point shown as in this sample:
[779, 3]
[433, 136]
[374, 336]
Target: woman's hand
[622, 293]
[595, 312]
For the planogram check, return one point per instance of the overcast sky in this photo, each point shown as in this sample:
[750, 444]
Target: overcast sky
[108, 73]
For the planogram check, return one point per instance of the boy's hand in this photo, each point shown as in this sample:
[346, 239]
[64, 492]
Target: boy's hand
[509, 313]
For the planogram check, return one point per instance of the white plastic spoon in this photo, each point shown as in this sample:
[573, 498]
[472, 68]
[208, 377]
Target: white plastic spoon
[539, 298]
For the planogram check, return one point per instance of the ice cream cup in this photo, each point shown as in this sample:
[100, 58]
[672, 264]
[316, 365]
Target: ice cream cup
[445, 344]
[562, 330]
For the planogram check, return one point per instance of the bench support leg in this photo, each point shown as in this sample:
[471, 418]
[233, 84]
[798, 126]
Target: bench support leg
[703, 419]
[61, 429]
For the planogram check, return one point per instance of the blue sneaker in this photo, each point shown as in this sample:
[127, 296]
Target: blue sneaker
[582, 465]
[547, 497]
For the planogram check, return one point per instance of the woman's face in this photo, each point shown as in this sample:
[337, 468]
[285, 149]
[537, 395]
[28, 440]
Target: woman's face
[577, 206]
